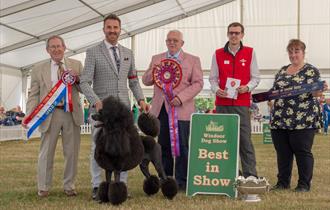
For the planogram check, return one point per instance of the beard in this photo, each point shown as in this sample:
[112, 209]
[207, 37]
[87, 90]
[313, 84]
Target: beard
[111, 35]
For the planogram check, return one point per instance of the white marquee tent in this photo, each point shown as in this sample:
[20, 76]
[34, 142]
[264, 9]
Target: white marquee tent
[25, 25]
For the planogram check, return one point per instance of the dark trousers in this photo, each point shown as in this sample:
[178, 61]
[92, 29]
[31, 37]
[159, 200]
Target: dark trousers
[246, 149]
[181, 162]
[298, 143]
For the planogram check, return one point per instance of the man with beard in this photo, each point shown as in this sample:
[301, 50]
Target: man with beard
[108, 66]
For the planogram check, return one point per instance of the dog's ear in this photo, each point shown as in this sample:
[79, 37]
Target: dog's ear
[97, 116]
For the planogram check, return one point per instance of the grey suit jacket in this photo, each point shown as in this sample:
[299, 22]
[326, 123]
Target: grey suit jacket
[41, 85]
[100, 71]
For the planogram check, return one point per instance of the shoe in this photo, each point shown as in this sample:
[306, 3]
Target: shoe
[280, 187]
[301, 189]
[94, 193]
[70, 193]
[42, 193]
[182, 187]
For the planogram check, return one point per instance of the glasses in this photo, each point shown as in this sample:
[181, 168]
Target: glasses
[54, 47]
[172, 40]
[232, 33]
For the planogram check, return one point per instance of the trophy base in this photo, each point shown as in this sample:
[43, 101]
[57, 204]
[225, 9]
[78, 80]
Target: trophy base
[250, 198]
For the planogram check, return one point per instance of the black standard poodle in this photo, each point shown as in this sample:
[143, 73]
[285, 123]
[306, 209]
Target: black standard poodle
[119, 147]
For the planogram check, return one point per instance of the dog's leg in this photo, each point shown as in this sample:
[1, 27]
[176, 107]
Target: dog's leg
[144, 166]
[117, 190]
[103, 191]
[108, 175]
[168, 185]
[151, 184]
[117, 176]
[156, 159]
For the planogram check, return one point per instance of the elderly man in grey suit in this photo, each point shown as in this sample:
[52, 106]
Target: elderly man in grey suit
[108, 66]
[43, 77]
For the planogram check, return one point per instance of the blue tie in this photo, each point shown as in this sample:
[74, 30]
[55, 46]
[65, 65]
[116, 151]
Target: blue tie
[115, 55]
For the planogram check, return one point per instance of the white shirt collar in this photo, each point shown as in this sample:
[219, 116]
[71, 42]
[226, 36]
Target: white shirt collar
[55, 63]
[108, 45]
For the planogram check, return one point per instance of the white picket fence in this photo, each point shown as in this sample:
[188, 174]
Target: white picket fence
[256, 127]
[17, 132]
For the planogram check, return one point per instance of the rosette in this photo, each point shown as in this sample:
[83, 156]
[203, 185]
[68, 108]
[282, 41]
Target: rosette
[167, 76]
[167, 72]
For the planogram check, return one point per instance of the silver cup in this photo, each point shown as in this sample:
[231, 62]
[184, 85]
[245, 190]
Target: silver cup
[251, 187]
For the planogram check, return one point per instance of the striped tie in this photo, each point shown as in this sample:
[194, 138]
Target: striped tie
[115, 55]
[60, 70]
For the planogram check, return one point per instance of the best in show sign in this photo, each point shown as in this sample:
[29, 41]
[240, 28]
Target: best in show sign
[213, 154]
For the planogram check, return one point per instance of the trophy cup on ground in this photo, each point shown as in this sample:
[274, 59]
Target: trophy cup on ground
[251, 187]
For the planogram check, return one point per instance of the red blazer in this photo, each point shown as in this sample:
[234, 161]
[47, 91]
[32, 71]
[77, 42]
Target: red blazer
[190, 85]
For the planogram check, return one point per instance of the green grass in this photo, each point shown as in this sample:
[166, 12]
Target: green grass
[18, 163]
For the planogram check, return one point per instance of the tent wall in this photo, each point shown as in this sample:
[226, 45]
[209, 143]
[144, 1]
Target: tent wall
[10, 87]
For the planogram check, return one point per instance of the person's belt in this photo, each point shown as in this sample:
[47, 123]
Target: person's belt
[59, 107]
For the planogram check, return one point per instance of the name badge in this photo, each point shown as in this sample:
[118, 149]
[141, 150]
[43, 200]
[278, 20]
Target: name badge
[226, 62]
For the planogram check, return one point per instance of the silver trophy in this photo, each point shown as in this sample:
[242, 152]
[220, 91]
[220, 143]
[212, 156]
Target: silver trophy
[251, 187]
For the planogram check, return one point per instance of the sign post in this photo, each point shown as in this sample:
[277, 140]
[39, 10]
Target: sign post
[213, 154]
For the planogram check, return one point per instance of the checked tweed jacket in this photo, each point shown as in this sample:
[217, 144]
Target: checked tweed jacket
[101, 72]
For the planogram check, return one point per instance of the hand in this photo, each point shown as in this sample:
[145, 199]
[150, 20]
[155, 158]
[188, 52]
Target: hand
[144, 106]
[243, 89]
[23, 124]
[221, 93]
[320, 92]
[176, 101]
[98, 105]
[73, 73]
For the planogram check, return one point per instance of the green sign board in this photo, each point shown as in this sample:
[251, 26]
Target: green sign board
[267, 137]
[213, 154]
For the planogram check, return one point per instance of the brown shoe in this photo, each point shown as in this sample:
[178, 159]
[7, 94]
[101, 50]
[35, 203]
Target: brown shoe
[42, 193]
[70, 193]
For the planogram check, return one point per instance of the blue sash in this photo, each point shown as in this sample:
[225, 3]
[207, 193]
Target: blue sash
[287, 92]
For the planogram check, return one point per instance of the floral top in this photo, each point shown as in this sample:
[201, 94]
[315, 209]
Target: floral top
[296, 112]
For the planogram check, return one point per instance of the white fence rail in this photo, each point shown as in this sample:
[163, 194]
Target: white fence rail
[17, 132]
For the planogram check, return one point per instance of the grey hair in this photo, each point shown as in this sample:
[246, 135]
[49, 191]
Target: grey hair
[176, 31]
[55, 37]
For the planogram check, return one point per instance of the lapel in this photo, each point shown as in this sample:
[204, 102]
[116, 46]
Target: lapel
[121, 55]
[68, 65]
[163, 56]
[181, 56]
[105, 51]
[46, 76]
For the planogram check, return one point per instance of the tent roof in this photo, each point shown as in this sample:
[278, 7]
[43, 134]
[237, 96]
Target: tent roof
[25, 25]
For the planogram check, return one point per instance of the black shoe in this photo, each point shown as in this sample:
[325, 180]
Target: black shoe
[94, 193]
[280, 187]
[301, 189]
[182, 187]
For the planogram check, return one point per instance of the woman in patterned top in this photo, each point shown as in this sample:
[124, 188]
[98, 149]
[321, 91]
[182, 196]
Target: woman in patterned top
[295, 119]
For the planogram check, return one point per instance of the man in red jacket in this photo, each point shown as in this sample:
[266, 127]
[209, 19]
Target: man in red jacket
[236, 65]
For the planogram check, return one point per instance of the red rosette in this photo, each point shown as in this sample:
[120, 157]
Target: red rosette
[68, 78]
[167, 72]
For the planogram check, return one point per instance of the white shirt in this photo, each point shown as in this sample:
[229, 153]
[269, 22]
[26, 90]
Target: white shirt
[254, 73]
[108, 45]
[53, 71]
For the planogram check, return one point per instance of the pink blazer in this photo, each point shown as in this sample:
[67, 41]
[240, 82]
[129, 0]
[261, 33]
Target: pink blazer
[190, 85]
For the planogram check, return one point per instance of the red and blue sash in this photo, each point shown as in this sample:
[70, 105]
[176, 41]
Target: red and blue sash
[61, 90]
